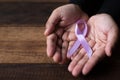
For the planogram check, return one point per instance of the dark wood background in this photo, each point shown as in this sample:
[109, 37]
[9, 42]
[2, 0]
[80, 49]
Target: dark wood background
[21, 31]
[23, 45]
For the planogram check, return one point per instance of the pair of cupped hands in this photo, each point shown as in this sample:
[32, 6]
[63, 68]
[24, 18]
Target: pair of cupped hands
[60, 35]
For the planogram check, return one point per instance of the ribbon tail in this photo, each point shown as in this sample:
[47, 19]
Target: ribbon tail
[74, 48]
[85, 45]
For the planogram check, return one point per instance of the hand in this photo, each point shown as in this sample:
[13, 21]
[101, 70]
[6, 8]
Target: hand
[60, 20]
[102, 36]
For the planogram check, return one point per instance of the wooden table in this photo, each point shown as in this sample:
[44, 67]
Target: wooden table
[22, 46]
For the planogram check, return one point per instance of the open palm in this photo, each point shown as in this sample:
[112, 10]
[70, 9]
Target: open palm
[101, 37]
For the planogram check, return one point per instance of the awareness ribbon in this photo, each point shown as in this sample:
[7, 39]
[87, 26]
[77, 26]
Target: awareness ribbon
[80, 40]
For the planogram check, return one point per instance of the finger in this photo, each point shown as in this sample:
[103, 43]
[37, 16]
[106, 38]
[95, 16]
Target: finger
[65, 36]
[59, 32]
[57, 55]
[52, 22]
[69, 36]
[64, 51]
[79, 57]
[59, 43]
[72, 36]
[75, 60]
[51, 44]
[112, 39]
[97, 55]
[78, 68]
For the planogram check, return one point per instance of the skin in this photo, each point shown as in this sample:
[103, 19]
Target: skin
[60, 21]
[102, 37]
[60, 36]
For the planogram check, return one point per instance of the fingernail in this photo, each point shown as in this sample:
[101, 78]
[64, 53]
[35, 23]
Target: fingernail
[46, 32]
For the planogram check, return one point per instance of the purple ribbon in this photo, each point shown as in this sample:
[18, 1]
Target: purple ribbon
[80, 34]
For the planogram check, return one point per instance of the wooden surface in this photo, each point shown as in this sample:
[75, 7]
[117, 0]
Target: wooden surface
[22, 46]
[19, 13]
[21, 31]
[34, 0]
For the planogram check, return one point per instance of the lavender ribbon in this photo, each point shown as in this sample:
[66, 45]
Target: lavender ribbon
[80, 40]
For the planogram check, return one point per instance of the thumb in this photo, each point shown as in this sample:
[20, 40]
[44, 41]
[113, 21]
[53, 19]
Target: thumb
[111, 40]
[52, 22]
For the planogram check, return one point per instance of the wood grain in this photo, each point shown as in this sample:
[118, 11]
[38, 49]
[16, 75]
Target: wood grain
[46, 71]
[21, 31]
[20, 13]
[35, 72]
[34, 0]
[23, 46]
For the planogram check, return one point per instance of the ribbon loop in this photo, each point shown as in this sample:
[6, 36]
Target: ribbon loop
[80, 39]
[78, 31]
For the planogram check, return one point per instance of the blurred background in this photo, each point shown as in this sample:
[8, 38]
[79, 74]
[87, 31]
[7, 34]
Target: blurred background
[23, 45]
[22, 24]
[27, 11]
